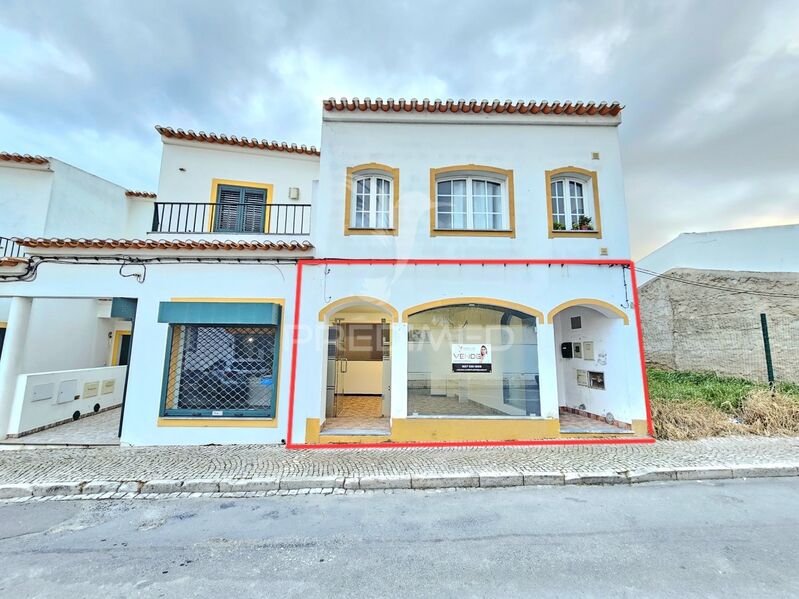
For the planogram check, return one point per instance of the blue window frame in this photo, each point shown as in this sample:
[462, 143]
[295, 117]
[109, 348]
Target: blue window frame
[221, 359]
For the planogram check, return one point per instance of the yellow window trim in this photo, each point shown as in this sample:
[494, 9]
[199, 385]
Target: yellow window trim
[597, 233]
[224, 422]
[3, 325]
[117, 345]
[370, 166]
[355, 300]
[587, 302]
[487, 301]
[215, 183]
[476, 168]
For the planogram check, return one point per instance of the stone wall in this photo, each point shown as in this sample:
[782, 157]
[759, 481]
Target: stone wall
[689, 323]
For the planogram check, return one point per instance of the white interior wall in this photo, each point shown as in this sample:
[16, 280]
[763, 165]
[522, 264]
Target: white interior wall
[610, 357]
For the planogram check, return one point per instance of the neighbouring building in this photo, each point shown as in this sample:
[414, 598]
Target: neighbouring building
[702, 296]
[438, 272]
[45, 197]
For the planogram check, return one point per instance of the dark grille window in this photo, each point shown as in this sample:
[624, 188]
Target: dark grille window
[218, 371]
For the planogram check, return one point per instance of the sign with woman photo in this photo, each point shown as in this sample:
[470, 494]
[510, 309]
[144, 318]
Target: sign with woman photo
[471, 357]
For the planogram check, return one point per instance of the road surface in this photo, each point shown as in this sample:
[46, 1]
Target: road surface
[704, 539]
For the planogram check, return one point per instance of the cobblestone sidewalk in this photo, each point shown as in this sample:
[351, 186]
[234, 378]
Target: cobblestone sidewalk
[260, 468]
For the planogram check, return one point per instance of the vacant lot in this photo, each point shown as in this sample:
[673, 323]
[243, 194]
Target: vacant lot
[689, 405]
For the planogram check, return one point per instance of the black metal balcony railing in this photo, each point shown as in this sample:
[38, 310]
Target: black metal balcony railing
[9, 248]
[263, 219]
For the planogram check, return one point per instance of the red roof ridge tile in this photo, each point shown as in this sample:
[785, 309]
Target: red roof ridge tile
[233, 140]
[161, 244]
[24, 158]
[590, 108]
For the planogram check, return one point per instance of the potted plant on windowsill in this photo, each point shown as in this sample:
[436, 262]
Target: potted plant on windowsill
[583, 224]
[556, 226]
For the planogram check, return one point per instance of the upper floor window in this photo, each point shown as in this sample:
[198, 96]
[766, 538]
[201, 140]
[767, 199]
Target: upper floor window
[372, 201]
[472, 200]
[573, 203]
[240, 209]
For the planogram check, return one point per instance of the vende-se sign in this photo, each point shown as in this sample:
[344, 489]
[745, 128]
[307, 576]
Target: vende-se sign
[471, 357]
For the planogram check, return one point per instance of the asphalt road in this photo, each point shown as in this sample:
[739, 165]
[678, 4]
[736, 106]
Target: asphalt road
[709, 539]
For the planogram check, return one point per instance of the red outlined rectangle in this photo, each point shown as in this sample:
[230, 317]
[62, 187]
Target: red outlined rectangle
[448, 261]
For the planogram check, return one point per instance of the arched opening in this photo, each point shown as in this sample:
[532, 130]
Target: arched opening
[473, 359]
[591, 367]
[358, 366]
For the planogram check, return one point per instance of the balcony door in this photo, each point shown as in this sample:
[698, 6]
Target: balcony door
[240, 210]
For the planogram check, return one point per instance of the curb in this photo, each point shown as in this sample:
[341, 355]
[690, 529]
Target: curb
[105, 489]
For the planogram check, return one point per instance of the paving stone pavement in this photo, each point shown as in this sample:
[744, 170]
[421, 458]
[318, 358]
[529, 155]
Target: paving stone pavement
[209, 463]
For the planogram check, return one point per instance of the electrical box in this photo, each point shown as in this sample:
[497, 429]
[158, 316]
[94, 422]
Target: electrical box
[596, 380]
[294, 193]
[582, 378]
[566, 350]
[588, 350]
[91, 389]
[577, 350]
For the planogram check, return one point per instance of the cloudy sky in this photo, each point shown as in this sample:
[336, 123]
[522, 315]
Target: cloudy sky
[711, 89]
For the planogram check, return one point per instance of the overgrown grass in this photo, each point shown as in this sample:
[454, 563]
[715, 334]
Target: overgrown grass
[691, 405]
[725, 393]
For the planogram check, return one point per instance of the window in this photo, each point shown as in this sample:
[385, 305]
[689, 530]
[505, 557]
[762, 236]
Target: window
[240, 209]
[573, 203]
[220, 371]
[372, 202]
[473, 361]
[471, 200]
[372, 206]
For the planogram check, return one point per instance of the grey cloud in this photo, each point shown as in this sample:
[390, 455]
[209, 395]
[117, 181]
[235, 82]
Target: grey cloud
[710, 92]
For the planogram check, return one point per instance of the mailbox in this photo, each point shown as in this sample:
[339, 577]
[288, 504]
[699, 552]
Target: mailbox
[566, 350]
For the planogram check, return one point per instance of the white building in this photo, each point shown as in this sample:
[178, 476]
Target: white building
[439, 272]
[45, 197]
[760, 249]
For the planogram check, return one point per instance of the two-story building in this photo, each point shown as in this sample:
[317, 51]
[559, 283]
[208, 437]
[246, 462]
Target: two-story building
[445, 272]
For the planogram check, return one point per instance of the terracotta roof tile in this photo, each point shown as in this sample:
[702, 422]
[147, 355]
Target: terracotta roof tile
[6, 261]
[472, 106]
[232, 140]
[24, 158]
[140, 194]
[157, 244]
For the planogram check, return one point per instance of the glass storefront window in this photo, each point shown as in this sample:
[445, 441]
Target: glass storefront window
[471, 361]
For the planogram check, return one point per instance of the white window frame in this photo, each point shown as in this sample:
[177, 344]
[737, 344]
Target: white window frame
[570, 214]
[372, 213]
[469, 178]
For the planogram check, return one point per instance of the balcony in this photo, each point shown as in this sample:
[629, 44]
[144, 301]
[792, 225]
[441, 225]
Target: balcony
[231, 219]
[9, 248]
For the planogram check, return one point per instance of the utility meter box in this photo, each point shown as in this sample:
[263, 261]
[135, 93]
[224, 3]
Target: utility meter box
[566, 350]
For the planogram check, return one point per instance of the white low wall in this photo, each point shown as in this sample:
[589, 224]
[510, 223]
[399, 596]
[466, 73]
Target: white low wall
[46, 398]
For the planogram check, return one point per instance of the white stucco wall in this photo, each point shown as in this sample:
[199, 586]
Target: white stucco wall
[611, 338]
[204, 162]
[416, 147]
[762, 249]
[24, 199]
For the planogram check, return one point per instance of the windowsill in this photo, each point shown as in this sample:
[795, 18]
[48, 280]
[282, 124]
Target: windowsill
[575, 233]
[217, 421]
[368, 231]
[473, 232]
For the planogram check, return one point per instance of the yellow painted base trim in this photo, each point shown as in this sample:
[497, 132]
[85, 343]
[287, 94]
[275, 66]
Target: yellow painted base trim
[426, 430]
[220, 422]
[410, 430]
